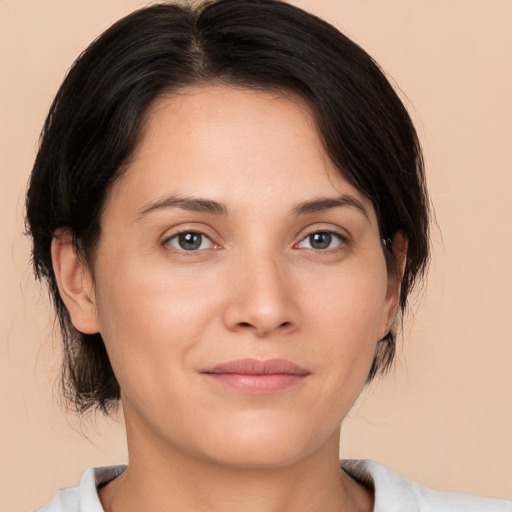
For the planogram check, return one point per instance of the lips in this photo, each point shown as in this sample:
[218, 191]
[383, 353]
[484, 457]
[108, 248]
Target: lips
[255, 376]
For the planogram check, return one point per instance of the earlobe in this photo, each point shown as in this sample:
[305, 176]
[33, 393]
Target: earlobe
[75, 282]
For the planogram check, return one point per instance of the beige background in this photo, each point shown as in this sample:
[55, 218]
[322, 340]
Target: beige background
[444, 417]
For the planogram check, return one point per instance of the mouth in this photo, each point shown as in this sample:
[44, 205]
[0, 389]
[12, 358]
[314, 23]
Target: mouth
[257, 377]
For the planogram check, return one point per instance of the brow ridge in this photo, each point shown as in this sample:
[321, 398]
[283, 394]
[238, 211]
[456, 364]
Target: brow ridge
[328, 203]
[195, 204]
[216, 208]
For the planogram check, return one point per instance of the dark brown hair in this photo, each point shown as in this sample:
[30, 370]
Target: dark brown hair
[95, 120]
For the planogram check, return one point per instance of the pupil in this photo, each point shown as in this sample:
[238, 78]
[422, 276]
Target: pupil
[320, 240]
[189, 241]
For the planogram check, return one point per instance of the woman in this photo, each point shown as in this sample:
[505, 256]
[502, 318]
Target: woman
[229, 208]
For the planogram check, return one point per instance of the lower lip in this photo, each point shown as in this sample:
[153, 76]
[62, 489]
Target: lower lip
[258, 384]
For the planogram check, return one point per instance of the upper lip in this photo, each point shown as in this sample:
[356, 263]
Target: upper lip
[258, 367]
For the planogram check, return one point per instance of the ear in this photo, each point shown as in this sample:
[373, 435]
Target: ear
[399, 250]
[75, 282]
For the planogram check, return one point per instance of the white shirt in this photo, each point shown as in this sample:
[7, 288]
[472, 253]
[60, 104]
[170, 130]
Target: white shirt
[392, 493]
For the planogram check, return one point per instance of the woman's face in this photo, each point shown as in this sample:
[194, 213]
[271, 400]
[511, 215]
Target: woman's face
[239, 282]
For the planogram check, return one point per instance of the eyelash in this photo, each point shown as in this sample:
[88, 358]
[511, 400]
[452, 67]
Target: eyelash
[177, 235]
[342, 241]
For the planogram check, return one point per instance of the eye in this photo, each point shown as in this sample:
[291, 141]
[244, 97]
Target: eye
[321, 241]
[190, 241]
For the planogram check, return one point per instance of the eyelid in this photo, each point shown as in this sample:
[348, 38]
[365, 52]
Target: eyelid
[176, 232]
[323, 227]
[336, 231]
[204, 238]
[341, 241]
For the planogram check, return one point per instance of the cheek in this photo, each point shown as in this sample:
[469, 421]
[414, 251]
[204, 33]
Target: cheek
[148, 316]
[351, 299]
[345, 318]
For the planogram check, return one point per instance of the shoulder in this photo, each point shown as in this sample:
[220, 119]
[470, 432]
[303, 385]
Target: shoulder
[84, 497]
[395, 494]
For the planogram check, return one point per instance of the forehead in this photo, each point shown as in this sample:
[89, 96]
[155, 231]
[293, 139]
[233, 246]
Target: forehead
[232, 145]
[206, 117]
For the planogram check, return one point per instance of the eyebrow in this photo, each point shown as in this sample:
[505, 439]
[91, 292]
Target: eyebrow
[184, 203]
[323, 204]
[216, 208]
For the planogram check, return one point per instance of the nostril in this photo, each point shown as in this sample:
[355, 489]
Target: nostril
[249, 325]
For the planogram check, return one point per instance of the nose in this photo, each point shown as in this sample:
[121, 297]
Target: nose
[263, 298]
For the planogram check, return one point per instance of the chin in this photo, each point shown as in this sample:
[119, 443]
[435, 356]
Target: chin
[264, 446]
[258, 457]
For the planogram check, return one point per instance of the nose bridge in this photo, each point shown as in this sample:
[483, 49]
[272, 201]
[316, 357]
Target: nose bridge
[263, 298]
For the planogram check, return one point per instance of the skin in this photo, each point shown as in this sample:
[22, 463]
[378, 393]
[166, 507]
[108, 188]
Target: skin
[257, 287]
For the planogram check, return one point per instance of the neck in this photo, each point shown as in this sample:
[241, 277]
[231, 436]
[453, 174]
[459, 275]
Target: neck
[164, 478]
